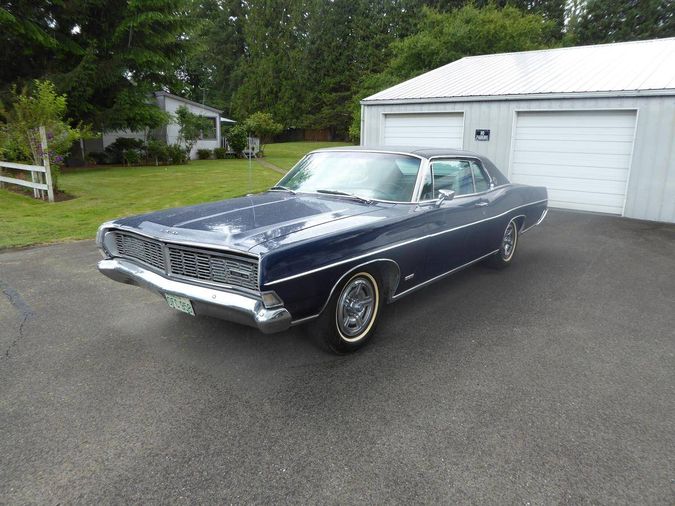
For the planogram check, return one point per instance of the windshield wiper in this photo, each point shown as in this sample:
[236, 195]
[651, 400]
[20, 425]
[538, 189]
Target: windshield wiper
[345, 194]
[281, 188]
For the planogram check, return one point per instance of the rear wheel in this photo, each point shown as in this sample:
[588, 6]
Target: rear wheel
[507, 248]
[349, 320]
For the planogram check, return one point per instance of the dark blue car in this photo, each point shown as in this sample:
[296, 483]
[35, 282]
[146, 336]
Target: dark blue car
[345, 231]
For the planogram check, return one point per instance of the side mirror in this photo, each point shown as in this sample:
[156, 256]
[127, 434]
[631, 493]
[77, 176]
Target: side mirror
[444, 195]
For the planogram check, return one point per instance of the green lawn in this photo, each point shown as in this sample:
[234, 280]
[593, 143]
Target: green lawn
[111, 192]
[286, 154]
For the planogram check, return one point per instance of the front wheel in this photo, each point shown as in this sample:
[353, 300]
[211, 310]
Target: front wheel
[507, 248]
[350, 318]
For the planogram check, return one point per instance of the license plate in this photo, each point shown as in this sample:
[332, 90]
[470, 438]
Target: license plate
[180, 303]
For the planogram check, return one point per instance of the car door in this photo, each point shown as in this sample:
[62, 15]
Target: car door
[452, 241]
[484, 232]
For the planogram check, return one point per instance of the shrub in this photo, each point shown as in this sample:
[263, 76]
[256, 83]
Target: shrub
[96, 158]
[30, 109]
[219, 153]
[262, 125]
[177, 154]
[237, 138]
[132, 156]
[204, 154]
[117, 150]
[190, 127]
[157, 152]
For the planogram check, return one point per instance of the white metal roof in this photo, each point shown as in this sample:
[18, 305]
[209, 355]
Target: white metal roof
[641, 67]
[187, 101]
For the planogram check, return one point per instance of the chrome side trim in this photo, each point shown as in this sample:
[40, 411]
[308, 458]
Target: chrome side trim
[405, 292]
[337, 283]
[383, 151]
[541, 218]
[519, 216]
[403, 243]
[440, 276]
[469, 194]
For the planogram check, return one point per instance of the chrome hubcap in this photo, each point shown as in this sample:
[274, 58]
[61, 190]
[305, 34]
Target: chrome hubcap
[509, 241]
[355, 307]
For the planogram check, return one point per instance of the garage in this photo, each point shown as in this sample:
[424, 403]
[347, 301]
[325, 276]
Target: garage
[582, 157]
[434, 130]
[595, 125]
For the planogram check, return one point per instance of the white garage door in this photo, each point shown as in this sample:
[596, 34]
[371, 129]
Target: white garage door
[432, 130]
[582, 157]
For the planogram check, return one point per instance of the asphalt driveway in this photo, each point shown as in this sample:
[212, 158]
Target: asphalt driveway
[550, 382]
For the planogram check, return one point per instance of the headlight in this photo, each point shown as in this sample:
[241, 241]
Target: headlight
[271, 299]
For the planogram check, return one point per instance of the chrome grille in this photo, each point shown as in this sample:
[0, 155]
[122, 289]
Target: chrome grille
[147, 251]
[214, 268]
[192, 263]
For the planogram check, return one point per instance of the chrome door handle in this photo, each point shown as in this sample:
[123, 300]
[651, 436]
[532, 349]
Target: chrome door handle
[482, 204]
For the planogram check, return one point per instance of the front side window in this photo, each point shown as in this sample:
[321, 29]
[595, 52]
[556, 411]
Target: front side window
[464, 177]
[381, 176]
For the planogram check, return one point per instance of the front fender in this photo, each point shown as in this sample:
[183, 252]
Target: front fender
[306, 296]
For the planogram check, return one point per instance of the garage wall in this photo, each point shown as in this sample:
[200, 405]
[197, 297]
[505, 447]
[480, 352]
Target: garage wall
[651, 184]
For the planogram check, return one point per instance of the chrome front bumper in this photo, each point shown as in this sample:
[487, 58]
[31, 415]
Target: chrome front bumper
[228, 306]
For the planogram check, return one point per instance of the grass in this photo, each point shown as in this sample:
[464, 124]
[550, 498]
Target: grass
[286, 154]
[106, 193]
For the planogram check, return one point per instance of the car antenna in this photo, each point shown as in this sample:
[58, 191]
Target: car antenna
[250, 165]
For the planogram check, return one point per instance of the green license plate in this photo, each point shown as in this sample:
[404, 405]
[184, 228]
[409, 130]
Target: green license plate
[180, 303]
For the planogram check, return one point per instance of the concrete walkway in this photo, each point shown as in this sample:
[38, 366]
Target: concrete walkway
[270, 165]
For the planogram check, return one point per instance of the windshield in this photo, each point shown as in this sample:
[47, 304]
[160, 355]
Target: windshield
[380, 176]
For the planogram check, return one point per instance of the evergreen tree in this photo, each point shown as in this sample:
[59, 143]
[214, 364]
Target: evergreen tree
[108, 56]
[217, 44]
[602, 21]
[269, 70]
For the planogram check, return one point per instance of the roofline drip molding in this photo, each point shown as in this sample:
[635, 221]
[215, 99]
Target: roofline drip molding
[538, 96]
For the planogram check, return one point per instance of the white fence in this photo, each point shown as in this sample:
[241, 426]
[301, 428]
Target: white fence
[41, 175]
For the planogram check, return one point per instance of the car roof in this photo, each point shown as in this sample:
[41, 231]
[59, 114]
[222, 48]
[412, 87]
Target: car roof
[424, 152]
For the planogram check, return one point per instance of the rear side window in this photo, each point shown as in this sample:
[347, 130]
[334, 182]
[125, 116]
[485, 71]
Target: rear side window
[480, 178]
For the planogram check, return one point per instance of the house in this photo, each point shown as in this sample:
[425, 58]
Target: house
[594, 124]
[170, 103]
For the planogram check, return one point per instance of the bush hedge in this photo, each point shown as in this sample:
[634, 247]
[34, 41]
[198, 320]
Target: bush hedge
[204, 154]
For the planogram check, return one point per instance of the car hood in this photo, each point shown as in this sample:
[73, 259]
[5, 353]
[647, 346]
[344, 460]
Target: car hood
[245, 222]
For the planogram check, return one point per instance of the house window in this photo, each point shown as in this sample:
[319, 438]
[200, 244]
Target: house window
[209, 133]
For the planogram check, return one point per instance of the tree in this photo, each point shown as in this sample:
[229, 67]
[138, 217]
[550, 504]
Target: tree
[31, 109]
[263, 126]
[270, 70]
[191, 128]
[237, 138]
[108, 56]
[209, 74]
[602, 21]
[445, 37]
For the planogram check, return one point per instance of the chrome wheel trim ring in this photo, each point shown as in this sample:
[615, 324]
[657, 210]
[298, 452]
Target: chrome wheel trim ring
[509, 241]
[357, 307]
